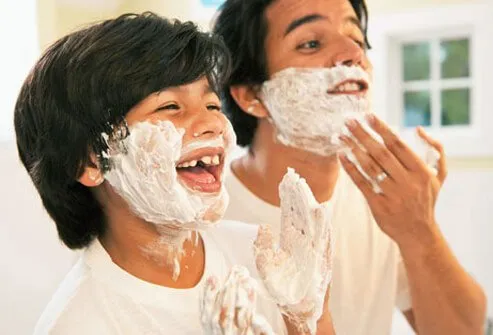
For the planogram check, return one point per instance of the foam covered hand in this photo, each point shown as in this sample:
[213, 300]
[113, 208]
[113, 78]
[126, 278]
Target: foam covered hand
[296, 266]
[229, 308]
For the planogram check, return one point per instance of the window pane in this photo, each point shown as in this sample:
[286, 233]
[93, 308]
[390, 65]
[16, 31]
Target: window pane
[417, 109]
[455, 107]
[416, 61]
[212, 3]
[454, 56]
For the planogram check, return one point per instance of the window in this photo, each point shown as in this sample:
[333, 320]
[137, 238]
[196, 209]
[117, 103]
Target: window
[436, 82]
[204, 12]
[212, 3]
[432, 68]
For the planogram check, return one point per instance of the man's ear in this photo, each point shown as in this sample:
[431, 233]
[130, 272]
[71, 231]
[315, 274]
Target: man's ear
[91, 177]
[246, 97]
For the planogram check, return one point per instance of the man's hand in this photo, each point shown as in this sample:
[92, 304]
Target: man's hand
[296, 268]
[404, 209]
[229, 308]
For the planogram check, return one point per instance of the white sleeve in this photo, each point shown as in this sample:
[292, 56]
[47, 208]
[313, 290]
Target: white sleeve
[403, 294]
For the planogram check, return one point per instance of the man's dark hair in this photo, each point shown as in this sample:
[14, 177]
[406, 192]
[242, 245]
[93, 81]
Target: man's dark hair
[83, 86]
[243, 26]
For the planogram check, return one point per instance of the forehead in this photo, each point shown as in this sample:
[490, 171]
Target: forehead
[282, 12]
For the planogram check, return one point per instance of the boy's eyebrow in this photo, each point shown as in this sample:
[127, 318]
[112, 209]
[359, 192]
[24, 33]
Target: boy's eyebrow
[207, 89]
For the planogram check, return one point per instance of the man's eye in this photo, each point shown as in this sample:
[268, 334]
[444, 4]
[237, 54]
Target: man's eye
[310, 45]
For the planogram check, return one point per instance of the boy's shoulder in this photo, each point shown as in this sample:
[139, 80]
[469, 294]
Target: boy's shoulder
[73, 309]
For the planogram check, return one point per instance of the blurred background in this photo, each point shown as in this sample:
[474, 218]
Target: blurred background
[432, 67]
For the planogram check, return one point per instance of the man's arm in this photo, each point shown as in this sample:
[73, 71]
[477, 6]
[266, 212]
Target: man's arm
[445, 299]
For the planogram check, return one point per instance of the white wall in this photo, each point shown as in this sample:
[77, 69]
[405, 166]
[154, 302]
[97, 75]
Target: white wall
[465, 207]
[32, 260]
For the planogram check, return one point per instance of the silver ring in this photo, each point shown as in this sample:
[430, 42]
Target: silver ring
[381, 177]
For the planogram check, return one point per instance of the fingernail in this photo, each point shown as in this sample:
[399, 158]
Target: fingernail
[371, 118]
[343, 138]
[351, 124]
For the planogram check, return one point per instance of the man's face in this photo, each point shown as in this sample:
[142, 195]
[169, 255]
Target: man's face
[313, 33]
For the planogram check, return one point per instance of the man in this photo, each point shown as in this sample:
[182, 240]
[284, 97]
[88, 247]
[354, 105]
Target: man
[120, 129]
[389, 249]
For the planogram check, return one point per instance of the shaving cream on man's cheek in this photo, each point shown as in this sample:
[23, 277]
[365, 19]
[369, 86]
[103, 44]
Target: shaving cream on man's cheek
[145, 176]
[305, 114]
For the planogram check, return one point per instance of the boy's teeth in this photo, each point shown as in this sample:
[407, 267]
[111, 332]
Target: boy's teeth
[206, 159]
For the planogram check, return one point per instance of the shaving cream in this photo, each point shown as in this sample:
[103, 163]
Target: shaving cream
[143, 172]
[305, 114]
[229, 308]
[296, 268]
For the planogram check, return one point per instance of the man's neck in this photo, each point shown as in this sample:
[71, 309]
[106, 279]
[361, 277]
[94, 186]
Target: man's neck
[263, 167]
[127, 239]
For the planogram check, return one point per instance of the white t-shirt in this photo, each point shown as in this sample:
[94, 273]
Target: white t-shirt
[99, 297]
[369, 279]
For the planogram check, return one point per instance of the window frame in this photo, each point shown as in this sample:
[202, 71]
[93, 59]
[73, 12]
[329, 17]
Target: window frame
[435, 85]
[389, 31]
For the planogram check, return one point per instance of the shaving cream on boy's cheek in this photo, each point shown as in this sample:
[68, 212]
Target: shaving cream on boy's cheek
[145, 176]
[143, 172]
[305, 114]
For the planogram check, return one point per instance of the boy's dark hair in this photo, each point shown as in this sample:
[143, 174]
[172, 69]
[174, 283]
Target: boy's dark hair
[83, 86]
[243, 27]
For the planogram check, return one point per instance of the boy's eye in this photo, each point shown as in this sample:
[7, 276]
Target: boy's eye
[171, 106]
[214, 107]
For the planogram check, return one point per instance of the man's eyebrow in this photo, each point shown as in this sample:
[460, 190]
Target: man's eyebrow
[303, 20]
[316, 17]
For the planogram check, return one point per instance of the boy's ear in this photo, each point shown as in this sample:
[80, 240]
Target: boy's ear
[91, 177]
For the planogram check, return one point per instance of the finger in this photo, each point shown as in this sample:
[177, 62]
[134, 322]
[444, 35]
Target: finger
[209, 296]
[364, 185]
[245, 302]
[264, 239]
[378, 151]
[395, 145]
[371, 168]
[228, 306]
[441, 164]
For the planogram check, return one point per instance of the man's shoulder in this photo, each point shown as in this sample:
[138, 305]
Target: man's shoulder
[71, 307]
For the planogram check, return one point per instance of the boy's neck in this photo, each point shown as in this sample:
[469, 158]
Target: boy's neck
[263, 167]
[137, 247]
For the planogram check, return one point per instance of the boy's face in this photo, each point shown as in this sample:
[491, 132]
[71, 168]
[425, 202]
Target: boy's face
[196, 109]
[169, 169]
